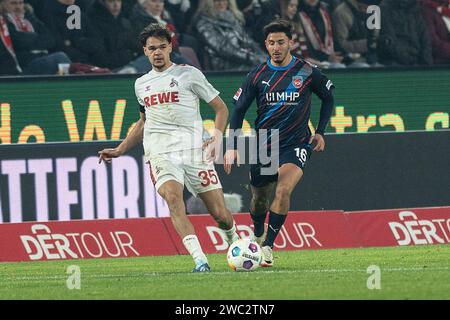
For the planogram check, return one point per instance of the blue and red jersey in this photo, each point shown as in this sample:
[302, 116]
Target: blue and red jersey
[283, 98]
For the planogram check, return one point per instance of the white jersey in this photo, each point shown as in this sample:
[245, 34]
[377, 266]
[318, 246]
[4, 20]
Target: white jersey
[172, 108]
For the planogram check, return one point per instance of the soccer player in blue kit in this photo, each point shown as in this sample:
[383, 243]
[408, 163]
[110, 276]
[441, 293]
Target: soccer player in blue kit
[282, 87]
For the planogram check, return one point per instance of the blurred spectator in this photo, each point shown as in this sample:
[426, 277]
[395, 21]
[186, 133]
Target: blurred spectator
[146, 12]
[257, 14]
[38, 6]
[332, 4]
[31, 40]
[127, 7]
[84, 4]
[289, 11]
[437, 17]
[8, 60]
[79, 44]
[220, 25]
[181, 12]
[357, 42]
[404, 37]
[118, 44]
[318, 28]
[245, 5]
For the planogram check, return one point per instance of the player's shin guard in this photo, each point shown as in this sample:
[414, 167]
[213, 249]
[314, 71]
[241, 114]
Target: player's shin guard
[258, 222]
[193, 247]
[276, 221]
[231, 235]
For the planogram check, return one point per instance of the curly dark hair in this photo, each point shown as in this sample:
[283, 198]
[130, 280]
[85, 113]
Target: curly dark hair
[154, 30]
[279, 25]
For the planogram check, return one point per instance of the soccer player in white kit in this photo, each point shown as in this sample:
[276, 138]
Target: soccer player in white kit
[171, 128]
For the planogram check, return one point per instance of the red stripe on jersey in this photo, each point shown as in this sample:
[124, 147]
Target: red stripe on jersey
[305, 84]
[151, 173]
[259, 72]
[284, 74]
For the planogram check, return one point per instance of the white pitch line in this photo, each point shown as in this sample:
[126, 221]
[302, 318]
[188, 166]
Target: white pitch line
[213, 273]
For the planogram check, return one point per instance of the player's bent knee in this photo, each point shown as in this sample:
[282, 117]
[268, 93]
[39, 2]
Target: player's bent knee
[222, 216]
[172, 200]
[260, 203]
[282, 193]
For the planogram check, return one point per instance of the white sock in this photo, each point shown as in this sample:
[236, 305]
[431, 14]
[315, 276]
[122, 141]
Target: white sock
[231, 234]
[193, 246]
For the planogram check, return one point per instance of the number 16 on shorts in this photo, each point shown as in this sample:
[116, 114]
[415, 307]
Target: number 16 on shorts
[302, 155]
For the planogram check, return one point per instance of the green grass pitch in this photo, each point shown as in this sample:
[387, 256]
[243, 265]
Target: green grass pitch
[421, 272]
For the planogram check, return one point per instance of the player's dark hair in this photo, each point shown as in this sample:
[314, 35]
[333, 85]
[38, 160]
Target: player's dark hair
[154, 30]
[279, 25]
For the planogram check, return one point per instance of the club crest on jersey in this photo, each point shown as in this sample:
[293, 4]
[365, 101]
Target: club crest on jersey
[297, 81]
[237, 94]
[173, 83]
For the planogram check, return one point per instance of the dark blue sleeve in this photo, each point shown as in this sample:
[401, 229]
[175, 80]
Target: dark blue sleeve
[242, 100]
[321, 85]
[323, 88]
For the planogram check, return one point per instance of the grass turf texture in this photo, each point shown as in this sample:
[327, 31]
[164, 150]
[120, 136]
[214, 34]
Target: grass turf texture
[421, 272]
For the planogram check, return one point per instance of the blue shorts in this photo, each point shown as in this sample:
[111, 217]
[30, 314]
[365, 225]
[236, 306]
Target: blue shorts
[298, 155]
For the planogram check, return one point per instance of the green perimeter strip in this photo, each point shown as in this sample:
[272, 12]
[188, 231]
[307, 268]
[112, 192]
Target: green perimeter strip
[375, 100]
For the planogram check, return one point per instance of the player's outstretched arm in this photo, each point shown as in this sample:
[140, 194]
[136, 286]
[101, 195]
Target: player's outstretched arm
[325, 115]
[323, 88]
[230, 156]
[213, 144]
[128, 143]
[242, 100]
[318, 141]
[237, 118]
[222, 113]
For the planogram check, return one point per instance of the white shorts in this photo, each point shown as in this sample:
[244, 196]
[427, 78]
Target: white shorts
[188, 167]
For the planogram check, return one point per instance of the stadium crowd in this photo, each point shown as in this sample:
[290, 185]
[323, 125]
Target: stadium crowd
[40, 36]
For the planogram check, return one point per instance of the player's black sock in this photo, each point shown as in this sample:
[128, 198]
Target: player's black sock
[276, 221]
[258, 222]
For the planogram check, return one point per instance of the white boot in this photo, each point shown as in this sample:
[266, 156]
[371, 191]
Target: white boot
[267, 256]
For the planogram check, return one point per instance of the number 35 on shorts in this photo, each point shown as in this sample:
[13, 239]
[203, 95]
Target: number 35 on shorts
[208, 177]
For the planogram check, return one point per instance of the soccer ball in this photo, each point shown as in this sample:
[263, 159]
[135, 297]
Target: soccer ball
[244, 255]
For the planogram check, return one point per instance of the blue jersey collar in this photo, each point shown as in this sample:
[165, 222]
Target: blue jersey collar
[281, 68]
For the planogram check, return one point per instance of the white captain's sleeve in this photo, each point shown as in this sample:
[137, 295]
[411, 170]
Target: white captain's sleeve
[201, 86]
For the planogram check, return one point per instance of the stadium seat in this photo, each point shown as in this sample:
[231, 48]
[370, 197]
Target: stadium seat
[189, 53]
